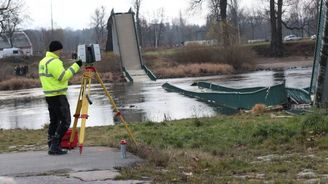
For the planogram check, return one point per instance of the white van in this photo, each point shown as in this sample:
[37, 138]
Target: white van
[7, 52]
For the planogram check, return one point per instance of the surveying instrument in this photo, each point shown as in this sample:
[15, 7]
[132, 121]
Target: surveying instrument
[90, 54]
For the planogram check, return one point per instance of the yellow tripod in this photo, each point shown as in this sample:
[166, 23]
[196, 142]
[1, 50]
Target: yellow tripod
[83, 106]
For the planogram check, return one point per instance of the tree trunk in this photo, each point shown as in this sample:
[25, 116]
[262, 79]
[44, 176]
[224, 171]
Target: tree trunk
[276, 29]
[253, 31]
[235, 36]
[273, 28]
[155, 36]
[137, 5]
[160, 31]
[224, 23]
[109, 43]
[280, 48]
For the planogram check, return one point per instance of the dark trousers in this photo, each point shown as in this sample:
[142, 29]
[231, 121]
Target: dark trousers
[60, 115]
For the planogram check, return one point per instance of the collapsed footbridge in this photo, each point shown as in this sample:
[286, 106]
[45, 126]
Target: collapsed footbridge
[126, 46]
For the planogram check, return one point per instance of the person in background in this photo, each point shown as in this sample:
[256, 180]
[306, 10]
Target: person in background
[17, 70]
[25, 69]
[54, 80]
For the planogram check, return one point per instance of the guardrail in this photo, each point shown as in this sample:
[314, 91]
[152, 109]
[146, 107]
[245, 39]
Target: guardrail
[127, 75]
[150, 74]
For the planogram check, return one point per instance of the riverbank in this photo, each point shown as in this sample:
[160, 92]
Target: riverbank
[283, 63]
[195, 61]
[12, 78]
[164, 70]
[245, 148]
[192, 61]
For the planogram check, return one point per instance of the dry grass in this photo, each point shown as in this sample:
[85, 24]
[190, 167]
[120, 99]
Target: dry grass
[191, 70]
[295, 48]
[19, 83]
[109, 63]
[259, 109]
[154, 62]
[8, 65]
[236, 56]
[105, 77]
[108, 68]
[165, 67]
[194, 61]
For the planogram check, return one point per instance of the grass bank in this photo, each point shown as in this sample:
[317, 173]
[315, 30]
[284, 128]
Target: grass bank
[165, 63]
[293, 48]
[244, 148]
[199, 61]
[108, 68]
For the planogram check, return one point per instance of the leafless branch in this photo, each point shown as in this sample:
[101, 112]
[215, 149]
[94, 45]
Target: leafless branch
[6, 7]
[291, 27]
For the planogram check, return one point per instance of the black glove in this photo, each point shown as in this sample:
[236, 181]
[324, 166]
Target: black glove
[79, 62]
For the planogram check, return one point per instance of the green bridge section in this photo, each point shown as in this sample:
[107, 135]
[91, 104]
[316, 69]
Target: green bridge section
[297, 96]
[238, 99]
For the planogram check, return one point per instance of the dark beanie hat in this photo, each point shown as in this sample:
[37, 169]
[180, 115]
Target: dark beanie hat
[55, 45]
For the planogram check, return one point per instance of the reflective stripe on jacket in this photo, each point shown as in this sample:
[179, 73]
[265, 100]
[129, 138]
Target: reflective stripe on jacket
[53, 76]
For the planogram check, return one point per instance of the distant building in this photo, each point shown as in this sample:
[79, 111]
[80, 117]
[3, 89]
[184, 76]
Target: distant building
[201, 42]
[21, 44]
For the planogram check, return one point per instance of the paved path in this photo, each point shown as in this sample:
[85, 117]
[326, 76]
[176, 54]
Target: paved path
[95, 165]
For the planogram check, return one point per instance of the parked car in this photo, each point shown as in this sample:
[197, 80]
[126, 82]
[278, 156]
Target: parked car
[292, 38]
[313, 37]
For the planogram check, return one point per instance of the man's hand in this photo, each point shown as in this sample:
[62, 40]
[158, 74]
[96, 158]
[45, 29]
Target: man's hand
[79, 62]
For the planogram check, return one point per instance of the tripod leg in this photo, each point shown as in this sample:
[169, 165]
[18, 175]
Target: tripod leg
[77, 112]
[118, 113]
[84, 114]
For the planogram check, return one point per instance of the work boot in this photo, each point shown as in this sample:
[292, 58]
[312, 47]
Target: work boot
[55, 148]
[49, 141]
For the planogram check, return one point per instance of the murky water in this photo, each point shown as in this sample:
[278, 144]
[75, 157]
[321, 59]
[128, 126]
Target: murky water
[138, 101]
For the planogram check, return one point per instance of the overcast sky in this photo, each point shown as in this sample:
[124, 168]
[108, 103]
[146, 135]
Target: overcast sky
[76, 14]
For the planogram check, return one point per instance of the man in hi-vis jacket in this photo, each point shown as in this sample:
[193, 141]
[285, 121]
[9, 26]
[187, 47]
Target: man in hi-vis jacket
[54, 80]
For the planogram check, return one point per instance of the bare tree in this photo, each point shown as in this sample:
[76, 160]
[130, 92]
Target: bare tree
[98, 23]
[109, 43]
[219, 11]
[158, 26]
[223, 14]
[49, 35]
[311, 14]
[5, 5]
[302, 17]
[137, 5]
[181, 28]
[254, 18]
[279, 17]
[276, 27]
[10, 18]
[234, 13]
[234, 9]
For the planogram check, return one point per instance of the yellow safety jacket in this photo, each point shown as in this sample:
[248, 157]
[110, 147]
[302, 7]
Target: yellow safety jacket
[53, 76]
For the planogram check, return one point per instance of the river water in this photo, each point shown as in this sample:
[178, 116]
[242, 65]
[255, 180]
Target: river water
[26, 109]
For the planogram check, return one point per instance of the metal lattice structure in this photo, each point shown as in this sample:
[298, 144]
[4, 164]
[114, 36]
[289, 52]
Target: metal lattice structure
[319, 81]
